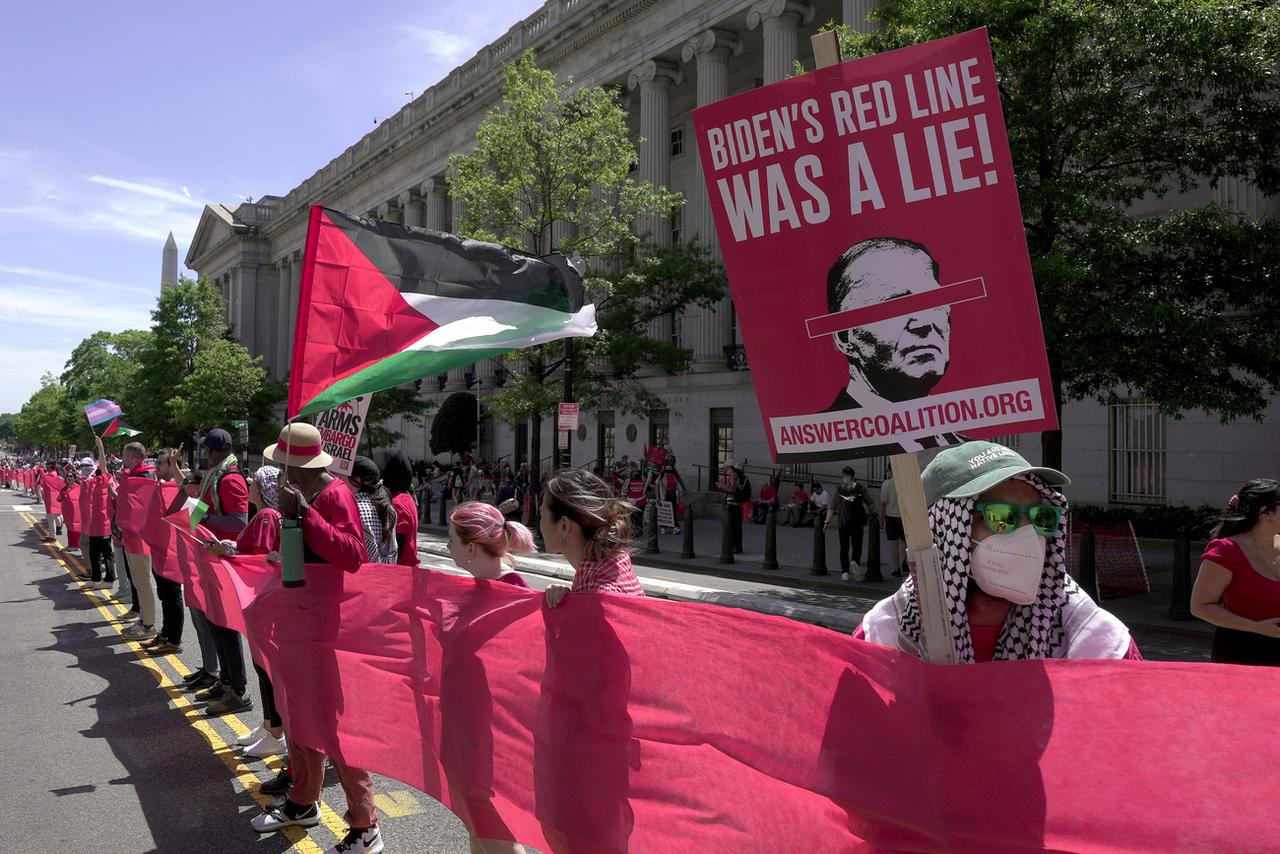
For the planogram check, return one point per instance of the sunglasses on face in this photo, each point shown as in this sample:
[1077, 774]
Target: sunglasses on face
[1004, 517]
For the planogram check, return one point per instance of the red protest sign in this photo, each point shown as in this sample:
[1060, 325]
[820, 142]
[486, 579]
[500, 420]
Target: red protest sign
[568, 419]
[905, 315]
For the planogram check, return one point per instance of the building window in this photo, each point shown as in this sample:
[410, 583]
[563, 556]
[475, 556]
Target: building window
[677, 225]
[660, 430]
[1137, 452]
[677, 142]
[721, 440]
[606, 440]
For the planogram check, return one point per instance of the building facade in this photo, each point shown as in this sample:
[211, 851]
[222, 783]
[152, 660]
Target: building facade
[669, 57]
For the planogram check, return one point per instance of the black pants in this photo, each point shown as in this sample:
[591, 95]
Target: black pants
[102, 559]
[850, 539]
[270, 713]
[230, 656]
[1231, 646]
[173, 615]
[735, 524]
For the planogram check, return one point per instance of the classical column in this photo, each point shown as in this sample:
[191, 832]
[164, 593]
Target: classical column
[458, 214]
[412, 208]
[712, 49]
[655, 78]
[855, 15]
[781, 19]
[437, 207]
[389, 211]
[457, 379]
[284, 321]
[295, 284]
[245, 298]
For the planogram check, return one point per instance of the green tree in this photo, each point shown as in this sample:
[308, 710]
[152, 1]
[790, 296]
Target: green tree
[218, 388]
[39, 424]
[453, 430]
[551, 172]
[7, 433]
[187, 319]
[104, 365]
[393, 403]
[1118, 102]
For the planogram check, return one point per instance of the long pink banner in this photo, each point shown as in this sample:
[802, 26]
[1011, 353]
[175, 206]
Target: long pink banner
[616, 724]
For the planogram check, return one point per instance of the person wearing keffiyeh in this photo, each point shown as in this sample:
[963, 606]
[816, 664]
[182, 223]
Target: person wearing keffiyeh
[1000, 525]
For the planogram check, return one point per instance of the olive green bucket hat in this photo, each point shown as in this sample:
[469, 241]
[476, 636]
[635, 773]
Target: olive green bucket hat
[971, 469]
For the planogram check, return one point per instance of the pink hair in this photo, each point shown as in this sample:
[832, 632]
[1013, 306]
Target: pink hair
[482, 524]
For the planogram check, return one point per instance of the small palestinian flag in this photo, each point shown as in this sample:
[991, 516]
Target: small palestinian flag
[119, 428]
[188, 516]
[382, 304]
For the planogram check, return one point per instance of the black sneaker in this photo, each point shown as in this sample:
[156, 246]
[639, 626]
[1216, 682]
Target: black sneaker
[208, 680]
[232, 701]
[195, 676]
[278, 785]
[213, 692]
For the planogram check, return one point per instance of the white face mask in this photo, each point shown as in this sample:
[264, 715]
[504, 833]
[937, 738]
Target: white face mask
[1009, 566]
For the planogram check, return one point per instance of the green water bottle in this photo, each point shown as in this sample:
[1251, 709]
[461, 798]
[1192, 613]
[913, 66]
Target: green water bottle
[293, 571]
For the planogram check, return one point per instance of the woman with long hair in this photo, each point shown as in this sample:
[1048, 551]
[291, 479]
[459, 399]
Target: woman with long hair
[377, 515]
[583, 520]
[1238, 585]
[397, 475]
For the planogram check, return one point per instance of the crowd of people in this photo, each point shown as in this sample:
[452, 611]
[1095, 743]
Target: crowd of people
[1000, 525]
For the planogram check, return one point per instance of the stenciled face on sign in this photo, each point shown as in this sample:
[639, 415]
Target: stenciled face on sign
[900, 358]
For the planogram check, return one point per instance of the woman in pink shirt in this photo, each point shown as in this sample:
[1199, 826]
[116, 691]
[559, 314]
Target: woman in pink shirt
[1238, 585]
[482, 541]
[582, 520]
[397, 476]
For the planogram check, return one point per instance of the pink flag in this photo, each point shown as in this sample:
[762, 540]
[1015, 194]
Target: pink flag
[158, 534]
[133, 502]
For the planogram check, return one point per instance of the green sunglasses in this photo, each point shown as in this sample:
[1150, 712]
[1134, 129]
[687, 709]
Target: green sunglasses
[1004, 517]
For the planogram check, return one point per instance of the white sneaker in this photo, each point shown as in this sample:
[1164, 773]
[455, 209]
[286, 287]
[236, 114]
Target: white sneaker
[359, 841]
[278, 818]
[844, 576]
[253, 737]
[268, 745]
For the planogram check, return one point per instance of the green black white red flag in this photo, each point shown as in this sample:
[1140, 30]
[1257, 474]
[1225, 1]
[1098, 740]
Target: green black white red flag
[383, 304]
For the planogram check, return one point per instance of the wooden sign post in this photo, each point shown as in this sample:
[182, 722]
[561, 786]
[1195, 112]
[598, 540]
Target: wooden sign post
[922, 553]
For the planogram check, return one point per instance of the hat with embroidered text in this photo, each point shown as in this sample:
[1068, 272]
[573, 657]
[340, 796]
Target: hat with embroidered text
[964, 471]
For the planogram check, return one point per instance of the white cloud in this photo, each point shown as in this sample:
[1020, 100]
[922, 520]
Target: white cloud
[147, 190]
[42, 306]
[56, 276]
[437, 45]
[52, 197]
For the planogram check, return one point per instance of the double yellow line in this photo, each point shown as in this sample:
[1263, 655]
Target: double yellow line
[111, 612]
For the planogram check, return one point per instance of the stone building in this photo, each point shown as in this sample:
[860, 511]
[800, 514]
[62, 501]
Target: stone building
[669, 57]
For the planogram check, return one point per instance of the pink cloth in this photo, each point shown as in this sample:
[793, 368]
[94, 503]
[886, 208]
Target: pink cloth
[407, 527]
[158, 534]
[1249, 595]
[51, 487]
[94, 506]
[133, 504]
[331, 529]
[987, 651]
[261, 535]
[611, 575]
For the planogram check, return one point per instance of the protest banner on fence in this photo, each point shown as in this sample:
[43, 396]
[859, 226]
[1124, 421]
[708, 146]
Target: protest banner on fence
[666, 514]
[904, 315]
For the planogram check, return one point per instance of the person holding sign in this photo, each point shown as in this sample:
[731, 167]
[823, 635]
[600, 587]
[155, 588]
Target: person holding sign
[1001, 529]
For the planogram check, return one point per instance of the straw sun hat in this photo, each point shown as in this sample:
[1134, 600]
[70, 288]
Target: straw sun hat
[299, 447]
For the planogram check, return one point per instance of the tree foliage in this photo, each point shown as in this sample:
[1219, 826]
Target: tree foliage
[8, 435]
[218, 388]
[551, 171]
[104, 365]
[1112, 108]
[453, 430]
[40, 423]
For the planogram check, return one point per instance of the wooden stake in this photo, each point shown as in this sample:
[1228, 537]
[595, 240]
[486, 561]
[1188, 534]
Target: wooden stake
[826, 49]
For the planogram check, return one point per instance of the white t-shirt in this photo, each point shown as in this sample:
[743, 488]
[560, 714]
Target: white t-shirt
[821, 499]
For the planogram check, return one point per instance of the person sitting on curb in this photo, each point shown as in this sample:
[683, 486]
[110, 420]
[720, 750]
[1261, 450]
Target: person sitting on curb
[1001, 528]
[797, 507]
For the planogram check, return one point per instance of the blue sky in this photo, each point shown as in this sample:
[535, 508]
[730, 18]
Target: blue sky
[118, 123]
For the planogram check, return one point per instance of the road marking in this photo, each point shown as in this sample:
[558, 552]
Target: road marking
[397, 803]
[20, 508]
[243, 774]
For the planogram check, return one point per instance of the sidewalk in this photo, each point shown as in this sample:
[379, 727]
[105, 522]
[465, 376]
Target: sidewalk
[795, 548]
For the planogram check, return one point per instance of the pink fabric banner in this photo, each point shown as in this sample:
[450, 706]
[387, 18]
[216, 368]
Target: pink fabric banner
[615, 724]
[71, 514]
[51, 490]
[133, 503]
[158, 534]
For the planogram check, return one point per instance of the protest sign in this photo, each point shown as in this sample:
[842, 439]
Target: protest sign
[666, 514]
[340, 429]
[905, 316]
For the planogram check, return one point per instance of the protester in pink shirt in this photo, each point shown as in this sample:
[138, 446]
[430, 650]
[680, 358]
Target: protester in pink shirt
[482, 541]
[398, 478]
[582, 520]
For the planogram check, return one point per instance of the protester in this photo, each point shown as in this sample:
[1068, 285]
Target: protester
[893, 530]
[93, 502]
[766, 501]
[849, 510]
[137, 559]
[168, 639]
[671, 490]
[482, 541]
[331, 534]
[398, 478]
[1000, 526]
[261, 537]
[377, 515]
[1237, 588]
[209, 673]
[739, 496]
[797, 507]
[582, 520]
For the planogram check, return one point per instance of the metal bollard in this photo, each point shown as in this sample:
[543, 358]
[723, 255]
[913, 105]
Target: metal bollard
[1180, 607]
[1088, 564]
[444, 499]
[873, 550]
[771, 539]
[726, 533]
[651, 528]
[819, 566]
[686, 550]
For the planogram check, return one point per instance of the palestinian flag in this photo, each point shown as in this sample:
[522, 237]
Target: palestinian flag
[382, 304]
[189, 515]
[119, 428]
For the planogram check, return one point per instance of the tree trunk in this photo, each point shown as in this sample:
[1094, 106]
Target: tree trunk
[535, 452]
[1051, 440]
